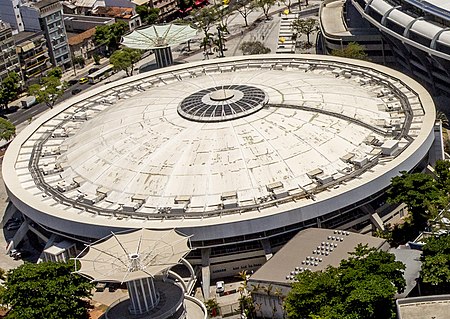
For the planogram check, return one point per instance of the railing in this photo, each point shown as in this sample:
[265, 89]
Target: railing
[270, 201]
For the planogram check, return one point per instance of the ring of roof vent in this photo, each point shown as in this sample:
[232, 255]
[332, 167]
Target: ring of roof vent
[222, 103]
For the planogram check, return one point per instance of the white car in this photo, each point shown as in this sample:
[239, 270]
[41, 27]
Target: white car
[220, 287]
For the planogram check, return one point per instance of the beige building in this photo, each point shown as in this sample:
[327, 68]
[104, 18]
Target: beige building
[312, 249]
[33, 54]
[9, 61]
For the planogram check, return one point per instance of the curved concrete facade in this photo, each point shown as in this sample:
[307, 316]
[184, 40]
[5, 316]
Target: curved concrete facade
[332, 135]
[418, 33]
[339, 26]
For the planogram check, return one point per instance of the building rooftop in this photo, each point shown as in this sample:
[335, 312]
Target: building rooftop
[114, 12]
[43, 3]
[438, 7]
[433, 307]
[85, 3]
[4, 25]
[26, 35]
[75, 39]
[314, 249]
[127, 149]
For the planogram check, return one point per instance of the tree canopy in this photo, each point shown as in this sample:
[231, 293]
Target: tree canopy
[49, 90]
[244, 8]
[46, 290]
[352, 50]
[125, 59]
[148, 15]
[265, 6]
[305, 26]
[9, 89]
[436, 263]
[7, 130]
[56, 72]
[362, 287]
[254, 47]
[110, 35]
[419, 191]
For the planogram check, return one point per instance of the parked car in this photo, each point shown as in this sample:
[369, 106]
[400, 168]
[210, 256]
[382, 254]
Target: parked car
[83, 80]
[220, 287]
[92, 70]
[76, 91]
[15, 254]
[100, 286]
[113, 286]
[72, 82]
[29, 101]
[13, 226]
[13, 220]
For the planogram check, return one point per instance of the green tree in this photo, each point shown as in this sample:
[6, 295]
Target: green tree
[7, 132]
[442, 171]
[79, 60]
[253, 47]
[110, 35]
[305, 26]
[353, 50]
[125, 59]
[9, 89]
[204, 19]
[96, 58]
[213, 307]
[418, 191]
[244, 8]
[56, 72]
[362, 287]
[148, 15]
[46, 290]
[436, 263]
[49, 91]
[265, 6]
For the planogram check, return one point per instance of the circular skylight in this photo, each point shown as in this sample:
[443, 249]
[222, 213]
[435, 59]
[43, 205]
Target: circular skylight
[222, 103]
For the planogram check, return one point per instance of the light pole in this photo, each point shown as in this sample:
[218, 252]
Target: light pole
[220, 42]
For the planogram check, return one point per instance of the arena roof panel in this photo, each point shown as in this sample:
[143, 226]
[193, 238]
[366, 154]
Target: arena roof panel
[140, 145]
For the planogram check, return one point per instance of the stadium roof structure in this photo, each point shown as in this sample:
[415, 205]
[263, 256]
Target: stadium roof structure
[124, 257]
[158, 36]
[220, 149]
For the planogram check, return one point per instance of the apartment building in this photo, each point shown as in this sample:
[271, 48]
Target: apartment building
[33, 54]
[9, 62]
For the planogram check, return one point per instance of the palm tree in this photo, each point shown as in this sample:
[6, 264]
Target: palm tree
[441, 116]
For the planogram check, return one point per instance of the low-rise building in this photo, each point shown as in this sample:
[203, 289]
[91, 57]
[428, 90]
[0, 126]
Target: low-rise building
[83, 44]
[9, 61]
[79, 23]
[125, 14]
[31, 47]
[311, 249]
[435, 307]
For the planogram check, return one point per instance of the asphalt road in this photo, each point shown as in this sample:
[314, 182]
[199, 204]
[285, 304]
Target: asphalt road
[19, 115]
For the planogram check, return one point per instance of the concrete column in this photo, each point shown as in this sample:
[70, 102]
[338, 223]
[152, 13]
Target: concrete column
[163, 57]
[143, 295]
[265, 243]
[206, 272]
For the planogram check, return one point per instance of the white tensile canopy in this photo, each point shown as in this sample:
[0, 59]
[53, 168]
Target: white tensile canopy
[124, 257]
[158, 36]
